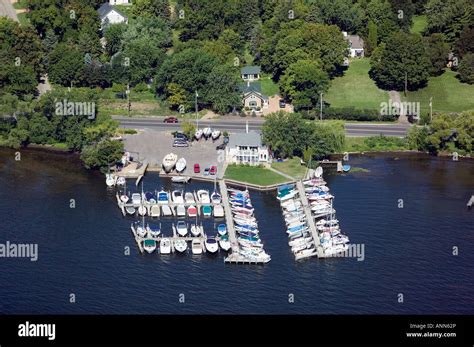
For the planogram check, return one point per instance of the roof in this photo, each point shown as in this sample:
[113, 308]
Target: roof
[252, 87]
[355, 41]
[106, 8]
[250, 70]
[251, 138]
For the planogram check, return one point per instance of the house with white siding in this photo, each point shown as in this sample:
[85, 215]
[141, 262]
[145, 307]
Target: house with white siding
[246, 148]
[110, 15]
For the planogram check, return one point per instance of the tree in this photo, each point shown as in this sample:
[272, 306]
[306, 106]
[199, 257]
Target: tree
[303, 82]
[381, 13]
[102, 154]
[188, 129]
[438, 51]
[176, 95]
[66, 65]
[465, 43]
[402, 58]
[113, 38]
[223, 88]
[449, 17]
[144, 59]
[152, 8]
[372, 38]
[347, 16]
[466, 69]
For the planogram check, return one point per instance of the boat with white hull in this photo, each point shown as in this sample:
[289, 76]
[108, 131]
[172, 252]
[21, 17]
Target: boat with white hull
[165, 246]
[169, 162]
[196, 246]
[211, 244]
[180, 245]
[180, 165]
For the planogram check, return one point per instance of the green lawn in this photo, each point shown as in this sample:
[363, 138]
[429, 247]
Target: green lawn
[291, 167]
[449, 94]
[419, 24]
[355, 88]
[269, 88]
[20, 4]
[254, 175]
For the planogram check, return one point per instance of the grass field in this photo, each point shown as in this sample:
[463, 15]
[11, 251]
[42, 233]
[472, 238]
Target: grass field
[291, 167]
[269, 88]
[419, 24]
[355, 88]
[254, 175]
[374, 143]
[449, 94]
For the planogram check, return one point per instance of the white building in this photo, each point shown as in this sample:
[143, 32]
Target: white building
[110, 15]
[246, 148]
[119, 2]
[356, 45]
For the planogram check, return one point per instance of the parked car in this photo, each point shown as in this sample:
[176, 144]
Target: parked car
[170, 120]
[213, 170]
[180, 136]
[221, 146]
[282, 103]
[180, 143]
[206, 171]
[226, 139]
[197, 168]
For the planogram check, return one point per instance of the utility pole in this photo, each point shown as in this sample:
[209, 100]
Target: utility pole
[128, 99]
[196, 108]
[321, 110]
[406, 83]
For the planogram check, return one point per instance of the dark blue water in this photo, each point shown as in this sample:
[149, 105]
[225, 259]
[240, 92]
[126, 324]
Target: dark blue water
[81, 251]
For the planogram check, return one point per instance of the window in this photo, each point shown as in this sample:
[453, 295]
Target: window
[253, 104]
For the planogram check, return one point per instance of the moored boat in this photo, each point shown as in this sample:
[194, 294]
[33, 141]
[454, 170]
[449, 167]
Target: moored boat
[149, 245]
[218, 211]
[180, 245]
[211, 244]
[181, 228]
[165, 246]
[192, 211]
[206, 210]
[196, 246]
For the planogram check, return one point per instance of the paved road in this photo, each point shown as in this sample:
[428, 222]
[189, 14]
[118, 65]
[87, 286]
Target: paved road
[6, 9]
[238, 125]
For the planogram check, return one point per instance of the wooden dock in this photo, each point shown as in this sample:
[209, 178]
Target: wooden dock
[228, 217]
[310, 221]
[338, 164]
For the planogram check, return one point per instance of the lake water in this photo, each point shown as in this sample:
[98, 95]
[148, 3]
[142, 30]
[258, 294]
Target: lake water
[408, 250]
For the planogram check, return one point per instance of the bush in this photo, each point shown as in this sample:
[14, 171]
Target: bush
[140, 88]
[351, 113]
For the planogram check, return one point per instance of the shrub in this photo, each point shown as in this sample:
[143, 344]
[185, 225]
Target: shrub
[351, 113]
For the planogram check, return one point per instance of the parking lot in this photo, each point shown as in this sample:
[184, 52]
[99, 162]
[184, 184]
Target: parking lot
[153, 145]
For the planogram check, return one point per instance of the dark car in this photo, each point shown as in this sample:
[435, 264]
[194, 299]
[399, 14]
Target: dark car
[221, 146]
[282, 103]
[170, 120]
[213, 170]
[181, 136]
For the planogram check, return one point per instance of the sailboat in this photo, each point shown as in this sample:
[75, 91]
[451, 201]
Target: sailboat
[169, 161]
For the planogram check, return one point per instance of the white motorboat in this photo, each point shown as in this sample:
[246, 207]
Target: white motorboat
[218, 211]
[166, 210]
[196, 246]
[177, 196]
[288, 196]
[165, 246]
[215, 134]
[327, 222]
[155, 211]
[243, 210]
[181, 211]
[181, 165]
[207, 132]
[140, 230]
[203, 196]
[154, 231]
[211, 244]
[169, 161]
[305, 253]
[192, 211]
[180, 245]
[110, 180]
[136, 198]
[224, 243]
[130, 210]
[300, 240]
[163, 197]
[216, 198]
[196, 230]
[149, 245]
[181, 228]
[299, 247]
[180, 179]
[142, 210]
[189, 198]
[222, 229]
[318, 173]
[198, 134]
[124, 198]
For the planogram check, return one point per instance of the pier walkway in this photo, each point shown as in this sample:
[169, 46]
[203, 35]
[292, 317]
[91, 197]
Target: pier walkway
[310, 221]
[228, 217]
